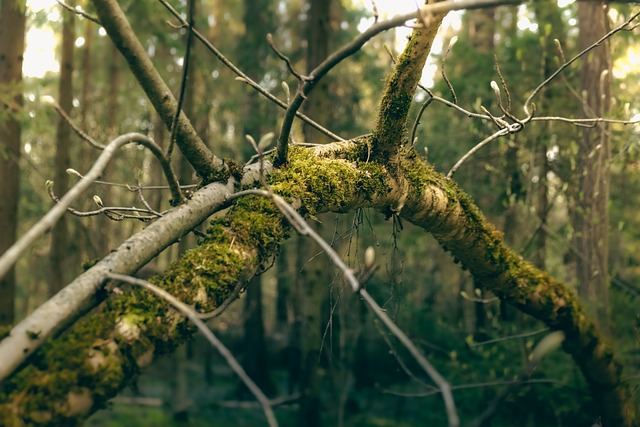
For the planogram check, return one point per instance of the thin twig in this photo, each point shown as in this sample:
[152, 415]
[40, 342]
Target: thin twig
[63, 114]
[51, 218]
[183, 82]
[246, 79]
[172, 180]
[480, 385]
[527, 103]
[414, 128]
[210, 336]
[443, 69]
[510, 337]
[109, 210]
[79, 12]
[284, 58]
[478, 146]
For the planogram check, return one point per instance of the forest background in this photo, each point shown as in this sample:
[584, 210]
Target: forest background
[297, 330]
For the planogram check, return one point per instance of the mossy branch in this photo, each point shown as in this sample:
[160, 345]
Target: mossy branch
[391, 123]
[78, 373]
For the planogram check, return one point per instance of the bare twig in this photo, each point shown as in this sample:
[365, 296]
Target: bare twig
[496, 135]
[112, 212]
[414, 128]
[63, 114]
[183, 82]
[374, 9]
[79, 11]
[172, 180]
[284, 58]
[621, 27]
[452, 42]
[210, 336]
[245, 78]
[510, 337]
[429, 392]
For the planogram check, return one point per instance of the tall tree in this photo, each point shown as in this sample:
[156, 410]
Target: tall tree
[591, 218]
[314, 273]
[258, 21]
[12, 29]
[60, 239]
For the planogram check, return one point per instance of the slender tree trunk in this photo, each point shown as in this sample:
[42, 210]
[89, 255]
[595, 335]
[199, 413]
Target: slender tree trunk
[258, 20]
[104, 226]
[60, 238]
[591, 222]
[88, 247]
[549, 13]
[482, 24]
[12, 28]
[315, 272]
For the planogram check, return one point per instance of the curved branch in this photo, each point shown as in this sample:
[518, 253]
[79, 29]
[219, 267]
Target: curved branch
[51, 218]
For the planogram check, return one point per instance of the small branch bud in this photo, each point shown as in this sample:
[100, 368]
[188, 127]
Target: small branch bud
[369, 257]
[98, 201]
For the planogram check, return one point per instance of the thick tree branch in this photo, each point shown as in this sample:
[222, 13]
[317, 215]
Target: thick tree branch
[108, 348]
[205, 163]
[429, 10]
[391, 124]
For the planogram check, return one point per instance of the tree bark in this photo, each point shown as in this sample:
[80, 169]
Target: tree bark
[591, 221]
[258, 19]
[12, 28]
[61, 247]
[313, 273]
[81, 370]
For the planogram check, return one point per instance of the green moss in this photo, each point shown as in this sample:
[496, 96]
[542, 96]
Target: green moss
[319, 184]
[230, 169]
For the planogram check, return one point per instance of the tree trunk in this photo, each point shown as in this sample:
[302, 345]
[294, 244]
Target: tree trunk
[314, 272]
[482, 25]
[61, 248]
[88, 246]
[591, 222]
[258, 20]
[12, 28]
[552, 15]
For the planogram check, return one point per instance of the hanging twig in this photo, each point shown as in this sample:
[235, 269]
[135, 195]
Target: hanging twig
[304, 229]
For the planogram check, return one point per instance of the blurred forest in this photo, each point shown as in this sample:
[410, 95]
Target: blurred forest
[298, 330]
